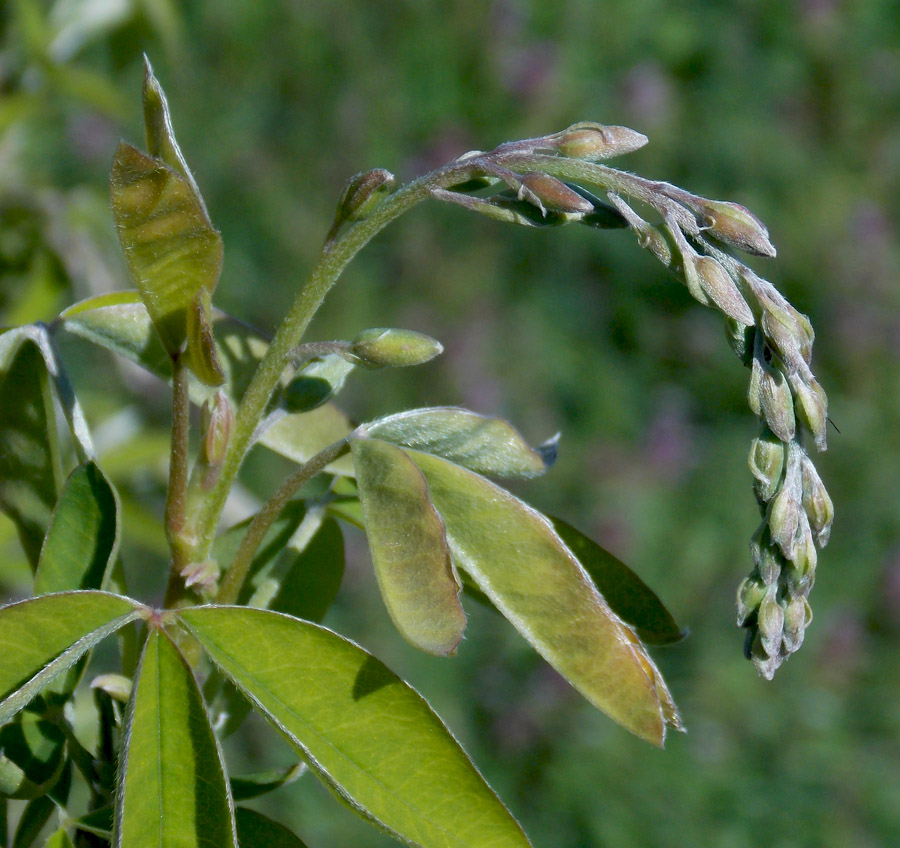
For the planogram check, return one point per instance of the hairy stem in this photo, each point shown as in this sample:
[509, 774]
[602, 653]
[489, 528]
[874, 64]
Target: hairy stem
[237, 572]
[175, 522]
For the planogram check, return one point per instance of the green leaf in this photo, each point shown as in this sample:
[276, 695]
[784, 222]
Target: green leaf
[34, 817]
[121, 323]
[627, 595]
[31, 756]
[257, 831]
[60, 839]
[249, 786]
[409, 549]
[316, 382]
[83, 537]
[42, 637]
[517, 559]
[98, 822]
[305, 578]
[170, 247]
[30, 464]
[172, 789]
[364, 732]
[486, 445]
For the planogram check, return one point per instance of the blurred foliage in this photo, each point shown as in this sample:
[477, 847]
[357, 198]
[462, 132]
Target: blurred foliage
[790, 108]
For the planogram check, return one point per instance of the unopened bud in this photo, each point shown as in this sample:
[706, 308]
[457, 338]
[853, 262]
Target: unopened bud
[770, 398]
[800, 571]
[812, 407]
[202, 575]
[593, 142]
[797, 617]
[770, 623]
[749, 596]
[733, 224]
[741, 338]
[784, 514]
[690, 261]
[379, 348]
[766, 463]
[504, 207]
[816, 502]
[117, 686]
[766, 557]
[786, 329]
[362, 194]
[552, 195]
[603, 216]
[217, 422]
[722, 290]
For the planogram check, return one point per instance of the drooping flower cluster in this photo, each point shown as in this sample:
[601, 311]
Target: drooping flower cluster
[542, 184]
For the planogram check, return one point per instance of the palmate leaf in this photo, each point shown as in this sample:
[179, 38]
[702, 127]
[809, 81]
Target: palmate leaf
[83, 537]
[517, 559]
[42, 637]
[171, 789]
[409, 548]
[120, 322]
[371, 738]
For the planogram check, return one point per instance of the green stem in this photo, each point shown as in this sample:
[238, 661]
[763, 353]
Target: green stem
[263, 520]
[175, 521]
[335, 257]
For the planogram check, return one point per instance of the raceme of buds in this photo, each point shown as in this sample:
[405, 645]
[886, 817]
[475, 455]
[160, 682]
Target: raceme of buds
[379, 348]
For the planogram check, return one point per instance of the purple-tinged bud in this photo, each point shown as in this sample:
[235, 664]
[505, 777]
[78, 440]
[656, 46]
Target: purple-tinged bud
[733, 224]
[554, 195]
[770, 622]
[361, 195]
[816, 502]
[749, 596]
[381, 347]
[722, 290]
[203, 577]
[593, 142]
[766, 462]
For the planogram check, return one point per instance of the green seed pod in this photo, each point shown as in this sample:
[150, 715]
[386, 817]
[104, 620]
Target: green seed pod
[593, 142]
[816, 501]
[741, 338]
[379, 348]
[733, 224]
[721, 289]
[770, 622]
[766, 462]
[749, 596]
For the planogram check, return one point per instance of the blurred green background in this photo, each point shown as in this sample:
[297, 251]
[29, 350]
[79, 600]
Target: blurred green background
[792, 108]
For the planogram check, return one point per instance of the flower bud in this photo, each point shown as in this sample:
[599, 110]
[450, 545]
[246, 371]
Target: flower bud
[722, 290]
[770, 622]
[788, 331]
[117, 686]
[770, 398]
[217, 422]
[800, 571]
[766, 463]
[690, 262]
[785, 511]
[379, 348]
[749, 596]
[811, 404]
[552, 195]
[593, 142]
[505, 207]
[733, 224]
[766, 556]
[361, 195]
[816, 502]
[603, 216]
[797, 617]
[741, 338]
